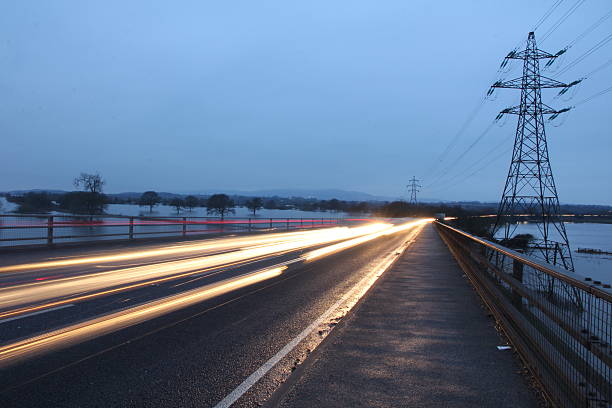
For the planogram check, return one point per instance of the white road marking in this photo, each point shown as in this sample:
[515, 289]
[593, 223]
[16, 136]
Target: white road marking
[268, 365]
[35, 313]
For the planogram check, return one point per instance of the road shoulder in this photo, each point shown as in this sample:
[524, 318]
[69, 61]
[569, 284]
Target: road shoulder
[420, 337]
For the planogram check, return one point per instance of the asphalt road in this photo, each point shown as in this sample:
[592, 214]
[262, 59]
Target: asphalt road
[193, 356]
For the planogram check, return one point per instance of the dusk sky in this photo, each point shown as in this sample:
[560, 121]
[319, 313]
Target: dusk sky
[201, 96]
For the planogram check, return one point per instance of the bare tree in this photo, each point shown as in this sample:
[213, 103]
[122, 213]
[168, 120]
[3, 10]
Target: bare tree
[177, 203]
[191, 202]
[150, 199]
[220, 204]
[91, 200]
[254, 204]
[91, 183]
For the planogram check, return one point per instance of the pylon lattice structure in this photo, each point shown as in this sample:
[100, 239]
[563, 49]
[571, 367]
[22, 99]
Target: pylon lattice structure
[414, 189]
[530, 186]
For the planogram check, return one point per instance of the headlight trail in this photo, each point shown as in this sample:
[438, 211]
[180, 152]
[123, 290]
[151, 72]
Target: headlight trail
[80, 298]
[116, 321]
[109, 281]
[109, 323]
[317, 253]
[198, 247]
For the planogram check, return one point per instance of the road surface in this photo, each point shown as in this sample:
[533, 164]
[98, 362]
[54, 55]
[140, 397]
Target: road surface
[204, 323]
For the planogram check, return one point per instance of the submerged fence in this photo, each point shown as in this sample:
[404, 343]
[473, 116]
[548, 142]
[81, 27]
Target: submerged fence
[19, 230]
[559, 322]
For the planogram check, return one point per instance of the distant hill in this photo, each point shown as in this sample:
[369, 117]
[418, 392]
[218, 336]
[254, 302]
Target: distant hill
[34, 190]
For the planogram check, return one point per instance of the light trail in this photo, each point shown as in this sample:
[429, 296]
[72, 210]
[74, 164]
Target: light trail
[10, 315]
[112, 322]
[317, 253]
[209, 246]
[80, 332]
[113, 281]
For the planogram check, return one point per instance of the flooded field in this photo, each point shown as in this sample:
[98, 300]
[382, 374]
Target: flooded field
[586, 235]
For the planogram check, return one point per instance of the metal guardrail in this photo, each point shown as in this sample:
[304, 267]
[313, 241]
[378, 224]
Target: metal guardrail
[17, 230]
[559, 322]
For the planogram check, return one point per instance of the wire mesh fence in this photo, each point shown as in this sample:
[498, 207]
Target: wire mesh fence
[559, 322]
[18, 230]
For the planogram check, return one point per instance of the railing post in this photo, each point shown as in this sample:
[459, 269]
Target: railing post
[517, 273]
[131, 232]
[184, 226]
[301, 223]
[270, 223]
[249, 224]
[50, 230]
[287, 224]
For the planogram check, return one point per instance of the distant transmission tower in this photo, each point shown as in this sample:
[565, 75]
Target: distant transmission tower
[530, 187]
[414, 189]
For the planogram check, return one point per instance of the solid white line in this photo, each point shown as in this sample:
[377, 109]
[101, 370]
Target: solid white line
[35, 313]
[268, 365]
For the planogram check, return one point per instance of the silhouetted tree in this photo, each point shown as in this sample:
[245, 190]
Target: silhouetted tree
[220, 204]
[82, 202]
[361, 207]
[270, 205]
[92, 183]
[191, 202]
[34, 202]
[334, 204]
[90, 200]
[150, 199]
[254, 204]
[177, 203]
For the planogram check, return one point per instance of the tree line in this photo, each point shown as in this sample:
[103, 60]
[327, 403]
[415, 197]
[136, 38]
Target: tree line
[89, 198]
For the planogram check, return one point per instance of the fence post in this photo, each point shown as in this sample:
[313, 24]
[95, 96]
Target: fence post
[270, 223]
[301, 223]
[287, 224]
[50, 230]
[131, 232]
[249, 224]
[517, 273]
[184, 226]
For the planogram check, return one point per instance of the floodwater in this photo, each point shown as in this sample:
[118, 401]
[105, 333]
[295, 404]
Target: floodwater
[16, 230]
[167, 211]
[585, 235]
[581, 235]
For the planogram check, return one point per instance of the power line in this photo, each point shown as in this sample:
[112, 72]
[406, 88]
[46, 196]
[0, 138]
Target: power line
[474, 164]
[599, 68]
[433, 168]
[459, 178]
[586, 54]
[546, 15]
[598, 94]
[465, 152]
[487, 164]
[561, 20]
[591, 28]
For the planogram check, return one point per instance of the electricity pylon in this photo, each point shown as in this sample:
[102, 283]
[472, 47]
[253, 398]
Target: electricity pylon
[530, 187]
[414, 189]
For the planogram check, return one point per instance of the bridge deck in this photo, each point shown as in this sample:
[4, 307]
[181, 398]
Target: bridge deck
[420, 338]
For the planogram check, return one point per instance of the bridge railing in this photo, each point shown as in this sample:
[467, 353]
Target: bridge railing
[559, 322]
[18, 230]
